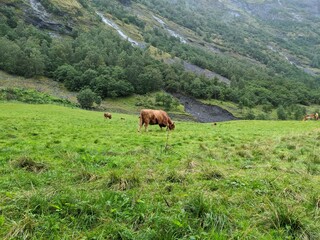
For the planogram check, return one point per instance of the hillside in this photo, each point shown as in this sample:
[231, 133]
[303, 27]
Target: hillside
[69, 173]
[256, 54]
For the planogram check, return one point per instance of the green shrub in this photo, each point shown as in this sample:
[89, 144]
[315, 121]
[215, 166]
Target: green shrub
[86, 98]
[30, 96]
[281, 113]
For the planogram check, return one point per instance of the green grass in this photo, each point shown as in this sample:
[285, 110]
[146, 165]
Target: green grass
[71, 174]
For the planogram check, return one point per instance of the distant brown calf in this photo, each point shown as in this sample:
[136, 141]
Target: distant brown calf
[107, 115]
[311, 116]
[152, 117]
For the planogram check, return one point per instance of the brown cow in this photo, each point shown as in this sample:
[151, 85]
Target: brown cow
[107, 115]
[311, 116]
[152, 117]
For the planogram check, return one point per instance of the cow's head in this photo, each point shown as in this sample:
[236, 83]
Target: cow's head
[171, 126]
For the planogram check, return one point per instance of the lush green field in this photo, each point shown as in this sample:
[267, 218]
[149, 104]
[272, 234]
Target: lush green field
[71, 174]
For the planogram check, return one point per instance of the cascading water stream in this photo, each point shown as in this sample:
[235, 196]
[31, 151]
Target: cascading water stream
[116, 27]
[171, 32]
[39, 10]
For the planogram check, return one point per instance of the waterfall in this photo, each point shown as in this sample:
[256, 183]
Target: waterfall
[39, 9]
[116, 27]
[171, 32]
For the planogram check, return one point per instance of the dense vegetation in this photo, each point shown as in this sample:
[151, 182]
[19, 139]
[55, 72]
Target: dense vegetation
[31, 96]
[98, 59]
[69, 173]
[258, 79]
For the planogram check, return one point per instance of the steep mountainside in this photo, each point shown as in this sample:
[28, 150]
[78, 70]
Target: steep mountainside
[257, 30]
[266, 51]
[260, 30]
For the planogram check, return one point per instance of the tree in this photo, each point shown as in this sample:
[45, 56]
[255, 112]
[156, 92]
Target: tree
[250, 115]
[106, 86]
[69, 76]
[316, 61]
[86, 98]
[299, 112]
[150, 80]
[60, 53]
[165, 100]
[87, 77]
[119, 88]
[32, 62]
[10, 54]
[281, 113]
[93, 60]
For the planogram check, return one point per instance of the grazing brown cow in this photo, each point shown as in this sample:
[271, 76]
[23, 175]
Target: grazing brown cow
[152, 117]
[311, 116]
[107, 115]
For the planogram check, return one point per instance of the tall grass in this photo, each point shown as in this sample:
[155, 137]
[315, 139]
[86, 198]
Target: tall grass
[68, 173]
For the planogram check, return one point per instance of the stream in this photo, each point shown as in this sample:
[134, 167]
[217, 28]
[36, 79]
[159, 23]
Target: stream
[116, 27]
[171, 32]
[39, 9]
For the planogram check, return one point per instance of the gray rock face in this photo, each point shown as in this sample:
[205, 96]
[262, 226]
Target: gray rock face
[39, 17]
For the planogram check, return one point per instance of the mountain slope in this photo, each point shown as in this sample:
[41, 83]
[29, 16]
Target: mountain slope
[287, 27]
[268, 51]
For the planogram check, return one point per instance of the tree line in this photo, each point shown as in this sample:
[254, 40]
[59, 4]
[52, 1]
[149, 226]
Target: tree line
[99, 60]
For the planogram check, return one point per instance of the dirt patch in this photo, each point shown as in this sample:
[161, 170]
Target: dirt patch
[204, 112]
[29, 165]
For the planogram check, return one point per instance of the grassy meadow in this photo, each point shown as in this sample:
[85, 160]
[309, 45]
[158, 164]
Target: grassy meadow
[67, 173]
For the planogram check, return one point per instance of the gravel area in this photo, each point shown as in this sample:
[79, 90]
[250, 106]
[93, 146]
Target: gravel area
[204, 112]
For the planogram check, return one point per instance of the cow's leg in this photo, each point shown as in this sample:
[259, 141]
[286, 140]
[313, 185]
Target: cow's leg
[146, 124]
[140, 124]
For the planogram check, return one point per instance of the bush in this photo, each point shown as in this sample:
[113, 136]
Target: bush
[281, 113]
[165, 100]
[250, 115]
[262, 116]
[30, 96]
[86, 98]
[69, 76]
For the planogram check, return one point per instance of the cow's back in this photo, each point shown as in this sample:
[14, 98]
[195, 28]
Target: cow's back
[146, 115]
[150, 116]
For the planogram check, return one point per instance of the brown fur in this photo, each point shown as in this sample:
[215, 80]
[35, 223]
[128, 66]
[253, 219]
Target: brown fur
[107, 115]
[152, 117]
[311, 116]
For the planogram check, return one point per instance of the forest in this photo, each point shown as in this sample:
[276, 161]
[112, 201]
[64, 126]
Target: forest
[100, 60]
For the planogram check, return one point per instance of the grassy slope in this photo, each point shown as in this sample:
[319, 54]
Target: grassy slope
[69, 173]
[55, 89]
[41, 84]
